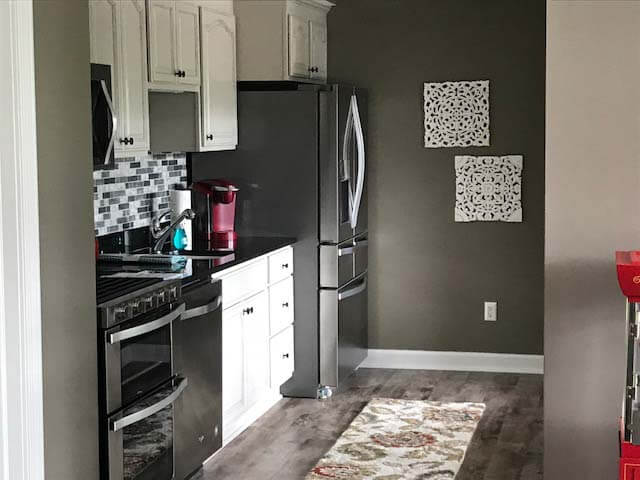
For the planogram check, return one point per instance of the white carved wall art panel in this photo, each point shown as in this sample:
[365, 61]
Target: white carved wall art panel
[456, 114]
[488, 189]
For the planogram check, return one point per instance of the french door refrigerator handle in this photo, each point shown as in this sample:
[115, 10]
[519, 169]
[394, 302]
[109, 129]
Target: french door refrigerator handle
[352, 292]
[146, 327]
[123, 422]
[361, 161]
[114, 121]
[203, 310]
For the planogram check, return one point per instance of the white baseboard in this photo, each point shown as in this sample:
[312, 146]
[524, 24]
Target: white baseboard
[461, 361]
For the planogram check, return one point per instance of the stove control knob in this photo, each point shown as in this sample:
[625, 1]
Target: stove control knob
[121, 311]
[161, 297]
[136, 306]
[173, 293]
[148, 302]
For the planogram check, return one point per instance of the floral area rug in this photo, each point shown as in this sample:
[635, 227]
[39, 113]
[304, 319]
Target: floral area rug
[402, 440]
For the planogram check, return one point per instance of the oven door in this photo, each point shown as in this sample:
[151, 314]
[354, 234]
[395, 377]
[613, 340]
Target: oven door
[140, 439]
[138, 356]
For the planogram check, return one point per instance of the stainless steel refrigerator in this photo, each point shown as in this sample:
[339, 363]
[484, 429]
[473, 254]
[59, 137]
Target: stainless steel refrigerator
[301, 168]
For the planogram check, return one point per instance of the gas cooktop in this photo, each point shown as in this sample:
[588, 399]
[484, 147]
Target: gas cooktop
[111, 288]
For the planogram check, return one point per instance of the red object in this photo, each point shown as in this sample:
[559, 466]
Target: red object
[629, 458]
[628, 266]
[217, 204]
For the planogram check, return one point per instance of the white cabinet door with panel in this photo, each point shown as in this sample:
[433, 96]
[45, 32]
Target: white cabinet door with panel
[162, 58]
[255, 324]
[118, 38]
[133, 101]
[218, 99]
[188, 43]
[298, 47]
[280, 305]
[282, 361]
[318, 50]
[174, 44]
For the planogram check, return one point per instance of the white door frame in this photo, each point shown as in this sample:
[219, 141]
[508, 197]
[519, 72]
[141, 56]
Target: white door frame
[21, 404]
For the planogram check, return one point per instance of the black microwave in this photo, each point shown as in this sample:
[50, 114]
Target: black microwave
[103, 117]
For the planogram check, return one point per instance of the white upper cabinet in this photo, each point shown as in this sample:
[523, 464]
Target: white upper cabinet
[162, 54]
[218, 100]
[282, 40]
[188, 43]
[118, 38]
[174, 43]
[133, 100]
[298, 47]
[318, 50]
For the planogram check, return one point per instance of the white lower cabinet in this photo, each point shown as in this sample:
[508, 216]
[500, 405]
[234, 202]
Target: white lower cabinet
[257, 339]
[282, 357]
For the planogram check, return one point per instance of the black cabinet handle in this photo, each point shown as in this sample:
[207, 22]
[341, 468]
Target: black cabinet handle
[178, 73]
[285, 355]
[124, 141]
[285, 265]
[130, 140]
[209, 137]
[247, 311]
[285, 305]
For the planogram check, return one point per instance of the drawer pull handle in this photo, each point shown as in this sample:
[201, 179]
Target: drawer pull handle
[285, 355]
[247, 311]
[285, 305]
[285, 265]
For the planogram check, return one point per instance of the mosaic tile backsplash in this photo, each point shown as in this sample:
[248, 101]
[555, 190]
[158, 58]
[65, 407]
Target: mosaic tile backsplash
[136, 190]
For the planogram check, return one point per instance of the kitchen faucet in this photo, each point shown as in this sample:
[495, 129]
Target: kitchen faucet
[160, 234]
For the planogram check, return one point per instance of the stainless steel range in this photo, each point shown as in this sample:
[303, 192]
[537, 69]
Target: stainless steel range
[138, 384]
[160, 370]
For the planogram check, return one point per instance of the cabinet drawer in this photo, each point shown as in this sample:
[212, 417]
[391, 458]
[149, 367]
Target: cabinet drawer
[282, 363]
[244, 282]
[280, 305]
[280, 265]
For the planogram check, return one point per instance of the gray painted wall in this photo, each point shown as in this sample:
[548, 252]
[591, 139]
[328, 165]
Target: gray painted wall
[592, 183]
[66, 239]
[430, 276]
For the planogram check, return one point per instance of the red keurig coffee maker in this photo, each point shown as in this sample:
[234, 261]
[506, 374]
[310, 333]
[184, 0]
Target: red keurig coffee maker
[214, 202]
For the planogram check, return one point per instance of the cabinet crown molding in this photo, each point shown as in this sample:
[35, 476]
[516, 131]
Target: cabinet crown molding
[323, 4]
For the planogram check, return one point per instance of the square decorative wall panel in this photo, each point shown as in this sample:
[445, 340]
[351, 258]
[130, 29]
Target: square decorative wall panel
[456, 114]
[488, 189]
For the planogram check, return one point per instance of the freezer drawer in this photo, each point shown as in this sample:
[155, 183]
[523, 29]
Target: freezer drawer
[343, 330]
[339, 264]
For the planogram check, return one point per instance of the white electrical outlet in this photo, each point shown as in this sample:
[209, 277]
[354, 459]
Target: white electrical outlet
[490, 311]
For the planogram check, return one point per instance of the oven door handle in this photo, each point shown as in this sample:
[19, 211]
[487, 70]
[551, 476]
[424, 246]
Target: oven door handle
[123, 422]
[203, 310]
[146, 327]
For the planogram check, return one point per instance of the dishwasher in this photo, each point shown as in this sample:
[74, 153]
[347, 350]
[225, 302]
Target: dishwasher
[197, 341]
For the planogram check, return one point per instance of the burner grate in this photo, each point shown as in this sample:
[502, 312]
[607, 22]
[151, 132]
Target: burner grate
[109, 288]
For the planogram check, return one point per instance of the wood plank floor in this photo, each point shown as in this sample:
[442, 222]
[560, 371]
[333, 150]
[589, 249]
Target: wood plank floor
[286, 443]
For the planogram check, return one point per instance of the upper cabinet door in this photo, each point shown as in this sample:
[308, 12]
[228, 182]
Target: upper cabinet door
[318, 51]
[132, 95]
[187, 43]
[103, 16]
[219, 105]
[163, 65]
[298, 47]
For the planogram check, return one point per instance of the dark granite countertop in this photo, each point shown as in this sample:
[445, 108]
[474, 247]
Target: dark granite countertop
[247, 249]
